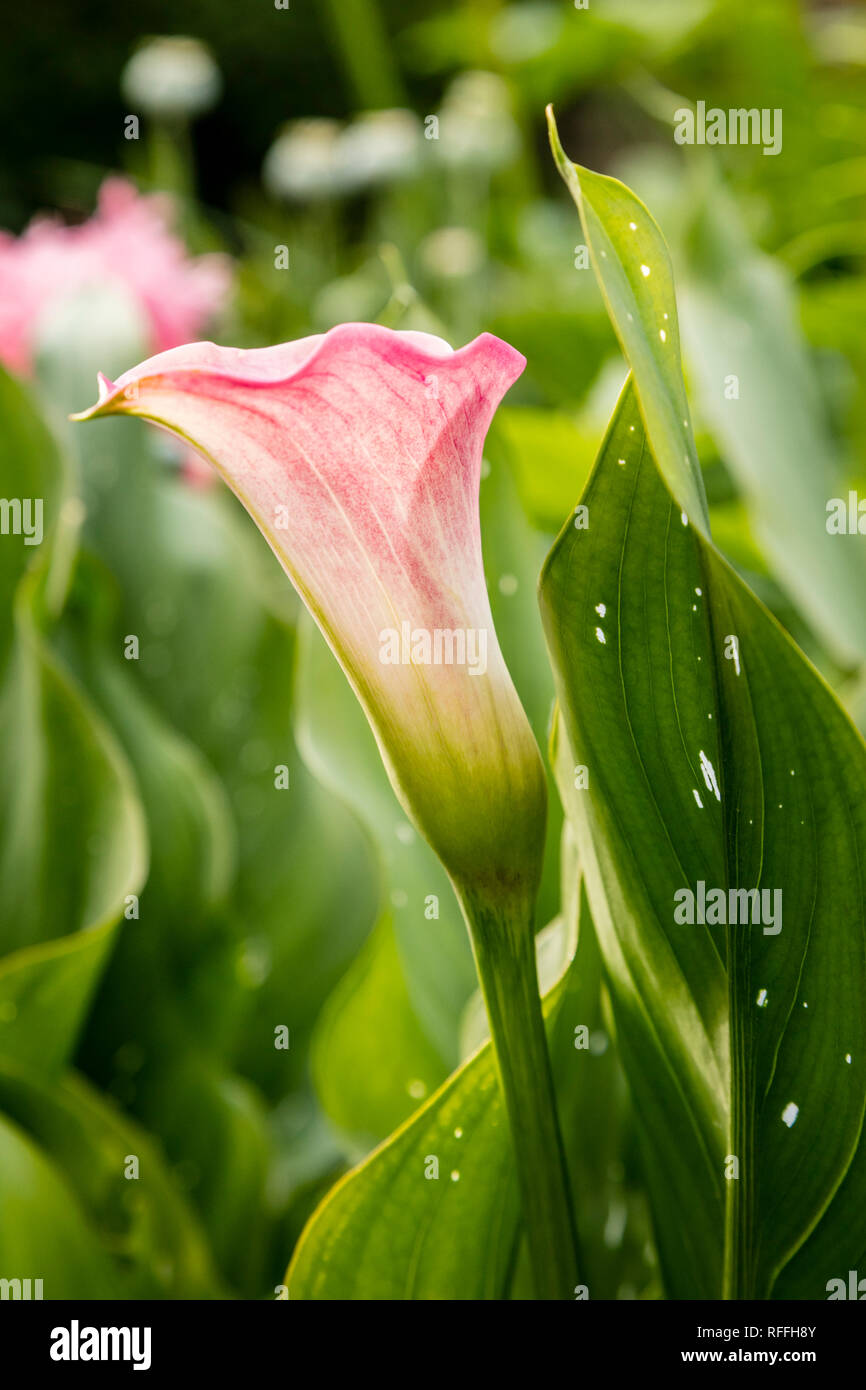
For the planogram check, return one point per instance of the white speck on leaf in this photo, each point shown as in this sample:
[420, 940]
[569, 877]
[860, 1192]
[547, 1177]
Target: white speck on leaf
[709, 775]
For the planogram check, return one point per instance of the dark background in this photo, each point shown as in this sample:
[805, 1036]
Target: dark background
[60, 97]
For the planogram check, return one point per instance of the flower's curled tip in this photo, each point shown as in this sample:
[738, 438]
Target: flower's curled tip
[108, 392]
[105, 386]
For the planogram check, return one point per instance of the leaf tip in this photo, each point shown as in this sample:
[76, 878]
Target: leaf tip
[561, 159]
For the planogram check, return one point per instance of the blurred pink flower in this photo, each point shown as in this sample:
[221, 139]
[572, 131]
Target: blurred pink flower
[128, 240]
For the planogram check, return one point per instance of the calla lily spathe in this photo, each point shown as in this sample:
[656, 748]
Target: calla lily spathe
[358, 455]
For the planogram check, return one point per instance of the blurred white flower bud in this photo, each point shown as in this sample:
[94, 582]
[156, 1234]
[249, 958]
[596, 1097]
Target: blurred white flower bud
[381, 147]
[452, 252]
[304, 162]
[523, 32]
[476, 126]
[172, 76]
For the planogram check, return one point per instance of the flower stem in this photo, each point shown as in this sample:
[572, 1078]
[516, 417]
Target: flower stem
[505, 957]
[363, 49]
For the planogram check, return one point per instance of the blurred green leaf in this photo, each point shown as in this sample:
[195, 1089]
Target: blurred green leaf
[758, 391]
[372, 1061]
[213, 1128]
[551, 457]
[148, 1243]
[72, 839]
[43, 1231]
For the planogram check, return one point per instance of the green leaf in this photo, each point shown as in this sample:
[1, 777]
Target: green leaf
[633, 267]
[513, 553]
[372, 1061]
[529, 435]
[715, 754]
[740, 321]
[42, 1225]
[132, 1227]
[432, 1214]
[213, 1127]
[72, 839]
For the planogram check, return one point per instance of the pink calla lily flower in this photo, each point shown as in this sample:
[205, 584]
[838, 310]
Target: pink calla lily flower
[358, 455]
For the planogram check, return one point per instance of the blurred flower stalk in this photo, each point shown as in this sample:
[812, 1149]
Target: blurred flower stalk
[170, 81]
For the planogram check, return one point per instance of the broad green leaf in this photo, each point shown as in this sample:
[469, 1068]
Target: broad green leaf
[213, 1128]
[372, 1062]
[65, 783]
[715, 754]
[513, 552]
[149, 1244]
[432, 1214]
[832, 311]
[72, 841]
[633, 268]
[175, 949]
[43, 1227]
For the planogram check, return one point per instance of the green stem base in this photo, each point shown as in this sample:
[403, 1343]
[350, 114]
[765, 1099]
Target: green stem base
[505, 957]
